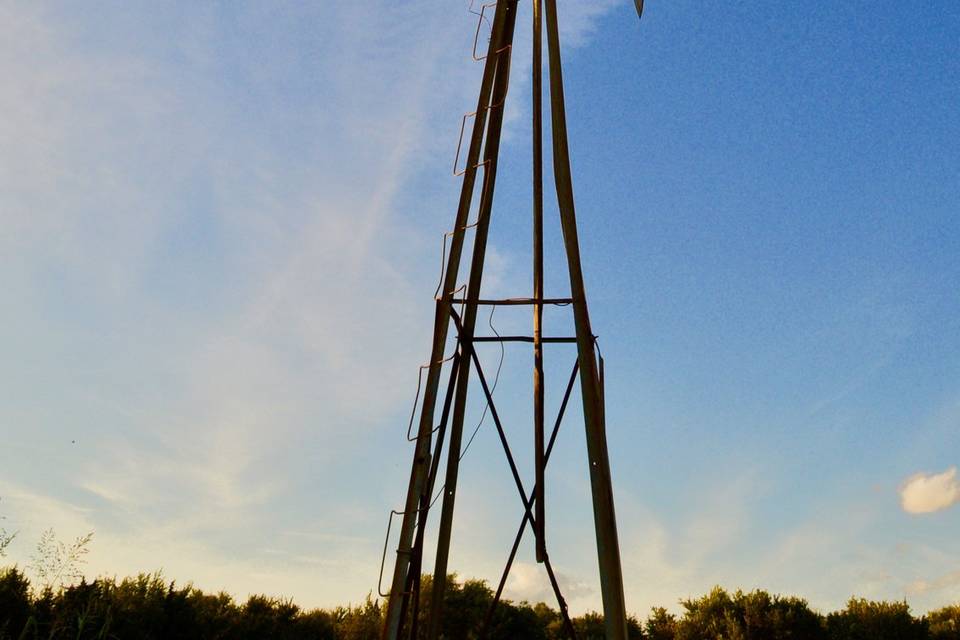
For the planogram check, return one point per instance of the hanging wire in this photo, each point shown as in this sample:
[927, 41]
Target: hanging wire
[496, 379]
[417, 511]
[486, 407]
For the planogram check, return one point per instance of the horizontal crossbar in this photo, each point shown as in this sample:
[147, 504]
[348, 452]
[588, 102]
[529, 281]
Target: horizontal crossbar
[523, 339]
[510, 302]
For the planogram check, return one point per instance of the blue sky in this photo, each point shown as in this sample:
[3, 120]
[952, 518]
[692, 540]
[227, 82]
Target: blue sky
[221, 235]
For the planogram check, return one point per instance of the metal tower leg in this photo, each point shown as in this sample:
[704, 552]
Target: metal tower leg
[421, 459]
[539, 458]
[491, 151]
[608, 548]
[485, 139]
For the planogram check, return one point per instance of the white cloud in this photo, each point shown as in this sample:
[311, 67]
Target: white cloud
[578, 20]
[211, 276]
[220, 252]
[529, 582]
[928, 493]
[37, 511]
[666, 557]
[946, 581]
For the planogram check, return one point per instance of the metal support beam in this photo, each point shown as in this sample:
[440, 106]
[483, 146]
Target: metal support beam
[412, 591]
[509, 302]
[608, 547]
[539, 461]
[530, 339]
[523, 526]
[491, 151]
[484, 143]
[419, 471]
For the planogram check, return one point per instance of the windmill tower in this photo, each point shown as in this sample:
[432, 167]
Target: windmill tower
[457, 308]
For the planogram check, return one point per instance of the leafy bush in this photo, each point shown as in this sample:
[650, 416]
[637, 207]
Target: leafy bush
[150, 608]
[15, 602]
[866, 620]
[661, 625]
[755, 616]
[945, 623]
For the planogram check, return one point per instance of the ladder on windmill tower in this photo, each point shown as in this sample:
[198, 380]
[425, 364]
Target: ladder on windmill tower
[457, 307]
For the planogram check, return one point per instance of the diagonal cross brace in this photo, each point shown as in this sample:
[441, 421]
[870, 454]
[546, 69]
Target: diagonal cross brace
[568, 625]
[527, 499]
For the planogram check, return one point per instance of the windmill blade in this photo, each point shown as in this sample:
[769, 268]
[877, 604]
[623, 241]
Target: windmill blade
[639, 4]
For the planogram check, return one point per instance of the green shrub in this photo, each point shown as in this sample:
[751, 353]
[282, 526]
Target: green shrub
[147, 607]
[15, 602]
[867, 620]
[945, 623]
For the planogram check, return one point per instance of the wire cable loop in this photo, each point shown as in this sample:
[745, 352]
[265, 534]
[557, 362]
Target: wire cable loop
[493, 388]
[386, 543]
[416, 399]
[463, 129]
[480, 20]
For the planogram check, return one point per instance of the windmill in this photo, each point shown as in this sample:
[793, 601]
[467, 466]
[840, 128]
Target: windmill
[457, 308]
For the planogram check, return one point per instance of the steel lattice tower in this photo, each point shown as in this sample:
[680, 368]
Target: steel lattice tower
[458, 308]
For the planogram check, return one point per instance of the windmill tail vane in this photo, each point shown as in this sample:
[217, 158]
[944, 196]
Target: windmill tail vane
[439, 429]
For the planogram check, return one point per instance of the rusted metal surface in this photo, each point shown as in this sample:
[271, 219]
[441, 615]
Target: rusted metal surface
[529, 339]
[539, 462]
[412, 592]
[491, 151]
[605, 523]
[418, 474]
[523, 526]
[402, 613]
[512, 302]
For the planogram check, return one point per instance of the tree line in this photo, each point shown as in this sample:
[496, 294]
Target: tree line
[148, 607]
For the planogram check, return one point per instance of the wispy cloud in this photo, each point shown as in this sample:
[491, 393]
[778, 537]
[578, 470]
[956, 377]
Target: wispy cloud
[945, 581]
[206, 246]
[929, 493]
[221, 248]
[666, 557]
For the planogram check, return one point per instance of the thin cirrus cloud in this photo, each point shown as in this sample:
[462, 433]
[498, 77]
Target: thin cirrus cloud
[209, 213]
[929, 493]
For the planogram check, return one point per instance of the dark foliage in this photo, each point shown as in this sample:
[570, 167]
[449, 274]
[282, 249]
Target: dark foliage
[15, 602]
[149, 608]
[945, 623]
[661, 625]
[866, 620]
[756, 615]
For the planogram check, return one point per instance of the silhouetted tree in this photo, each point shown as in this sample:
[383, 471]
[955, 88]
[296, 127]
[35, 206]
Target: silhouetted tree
[359, 623]
[15, 605]
[755, 616]
[590, 626]
[867, 620]
[945, 623]
[661, 625]
[146, 607]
